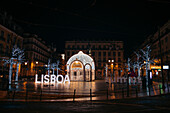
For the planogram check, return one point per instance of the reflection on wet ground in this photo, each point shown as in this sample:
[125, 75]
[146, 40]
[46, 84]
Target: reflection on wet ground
[100, 90]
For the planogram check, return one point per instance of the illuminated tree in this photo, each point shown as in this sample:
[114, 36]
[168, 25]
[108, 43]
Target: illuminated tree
[19, 61]
[139, 63]
[147, 61]
[16, 58]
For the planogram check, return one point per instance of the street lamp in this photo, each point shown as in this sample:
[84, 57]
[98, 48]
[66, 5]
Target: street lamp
[111, 67]
[36, 66]
[26, 68]
[25, 63]
[36, 62]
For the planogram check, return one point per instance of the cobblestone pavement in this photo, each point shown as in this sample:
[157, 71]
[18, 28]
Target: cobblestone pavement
[135, 105]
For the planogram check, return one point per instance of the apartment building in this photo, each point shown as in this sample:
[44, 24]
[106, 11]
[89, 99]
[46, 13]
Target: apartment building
[10, 36]
[104, 53]
[37, 53]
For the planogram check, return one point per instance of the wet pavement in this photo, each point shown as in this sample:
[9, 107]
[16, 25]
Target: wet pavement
[100, 90]
[110, 98]
[136, 105]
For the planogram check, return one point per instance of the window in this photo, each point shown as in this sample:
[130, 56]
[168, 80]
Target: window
[18, 43]
[109, 53]
[99, 53]
[14, 40]
[85, 46]
[1, 47]
[2, 36]
[68, 53]
[8, 38]
[99, 65]
[93, 47]
[104, 47]
[104, 59]
[78, 47]
[162, 42]
[114, 53]
[7, 49]
[119, 60]
[166, 40]
[72, 53]
[93, 53]
[119, 54]
[104, 53]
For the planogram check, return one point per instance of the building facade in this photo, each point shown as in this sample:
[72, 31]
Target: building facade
[37, 54]
[8, 39]
[160, 40]
[164, 35]
[104, 53]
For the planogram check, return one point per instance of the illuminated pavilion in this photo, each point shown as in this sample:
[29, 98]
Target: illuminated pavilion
[81, 67]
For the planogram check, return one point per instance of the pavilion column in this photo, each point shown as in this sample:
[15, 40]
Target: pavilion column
[84, 70]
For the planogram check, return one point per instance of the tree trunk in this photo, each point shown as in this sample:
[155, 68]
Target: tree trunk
[16, 77]
[10, 73]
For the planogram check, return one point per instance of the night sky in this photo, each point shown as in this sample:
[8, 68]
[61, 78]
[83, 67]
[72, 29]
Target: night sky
[58, 20]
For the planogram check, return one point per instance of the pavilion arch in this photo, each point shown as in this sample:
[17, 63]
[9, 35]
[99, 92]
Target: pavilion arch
[80, 67]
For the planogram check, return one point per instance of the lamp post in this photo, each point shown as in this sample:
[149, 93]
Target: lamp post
[106, 72]
[111, 62]
[160, 50]
[36, 67]
[26, 64]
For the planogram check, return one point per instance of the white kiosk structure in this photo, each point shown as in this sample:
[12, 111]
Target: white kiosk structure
[81, 67]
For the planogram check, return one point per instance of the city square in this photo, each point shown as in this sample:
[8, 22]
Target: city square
[88, 56]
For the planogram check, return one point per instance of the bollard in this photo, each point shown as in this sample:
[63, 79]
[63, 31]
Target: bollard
[149, 90]
[127, 86]
[90, 95]
[160, 90]
[41, 95]
[122, 92]
[107, 94]
[13, 97]
[136, 92]
[168, 87]
[26, 96]
[8, 94]
[74, 95]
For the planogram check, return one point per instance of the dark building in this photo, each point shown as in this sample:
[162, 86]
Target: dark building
[37, 53]
[103, 52]
[10, 36]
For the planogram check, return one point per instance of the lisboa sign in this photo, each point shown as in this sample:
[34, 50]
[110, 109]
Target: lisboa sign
[52, 79]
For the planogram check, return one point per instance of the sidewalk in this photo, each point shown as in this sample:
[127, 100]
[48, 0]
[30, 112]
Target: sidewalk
[135, 105]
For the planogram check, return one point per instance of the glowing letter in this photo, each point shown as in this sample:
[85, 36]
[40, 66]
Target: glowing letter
[61, 78]
[42, 78]
[66, 79]
[46, 78]
[36, 79]
[53, 77]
